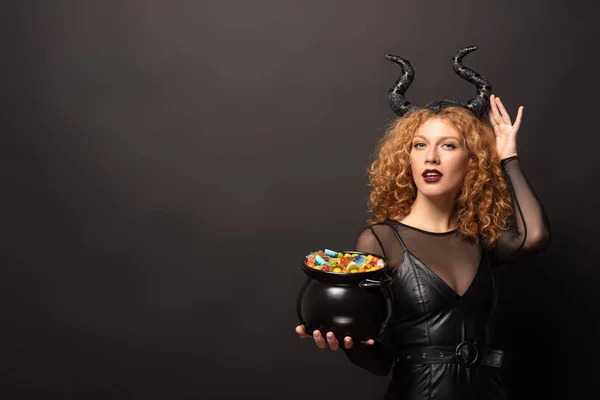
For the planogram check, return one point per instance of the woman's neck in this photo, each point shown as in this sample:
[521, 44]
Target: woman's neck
[432, 214]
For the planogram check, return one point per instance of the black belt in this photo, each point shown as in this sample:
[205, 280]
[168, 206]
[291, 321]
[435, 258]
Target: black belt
[465, 353]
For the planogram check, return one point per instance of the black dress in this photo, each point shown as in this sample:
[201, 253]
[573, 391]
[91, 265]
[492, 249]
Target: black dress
[430, 310]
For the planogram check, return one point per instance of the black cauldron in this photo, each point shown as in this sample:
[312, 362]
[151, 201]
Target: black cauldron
[358, 305]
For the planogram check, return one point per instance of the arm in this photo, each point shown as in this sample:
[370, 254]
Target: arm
[378, 357]
[529, 230]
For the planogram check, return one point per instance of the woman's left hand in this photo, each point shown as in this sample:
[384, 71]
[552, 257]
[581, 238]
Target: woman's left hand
[505, 131]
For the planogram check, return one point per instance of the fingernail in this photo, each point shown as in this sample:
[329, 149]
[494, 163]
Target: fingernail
[316, 334]
[330, 335]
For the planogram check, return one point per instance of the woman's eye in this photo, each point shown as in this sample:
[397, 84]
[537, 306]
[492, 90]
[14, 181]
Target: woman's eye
[445, 144]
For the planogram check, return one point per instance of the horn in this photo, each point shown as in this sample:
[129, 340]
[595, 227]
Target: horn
[398, 102]
[478, 103]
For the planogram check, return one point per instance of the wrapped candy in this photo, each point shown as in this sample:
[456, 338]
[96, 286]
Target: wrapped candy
[332, 253]
[360, 260]
[319, 260]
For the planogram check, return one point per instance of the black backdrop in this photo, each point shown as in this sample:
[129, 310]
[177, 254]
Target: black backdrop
[167, 164]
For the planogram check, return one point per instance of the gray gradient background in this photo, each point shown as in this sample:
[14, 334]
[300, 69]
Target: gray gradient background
[166, 165]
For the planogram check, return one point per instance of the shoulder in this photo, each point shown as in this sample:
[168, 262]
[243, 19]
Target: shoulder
[376, 229]
[376, 234]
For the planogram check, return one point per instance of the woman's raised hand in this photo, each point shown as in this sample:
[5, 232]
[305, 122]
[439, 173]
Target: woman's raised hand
[330, 339]
[504, 129]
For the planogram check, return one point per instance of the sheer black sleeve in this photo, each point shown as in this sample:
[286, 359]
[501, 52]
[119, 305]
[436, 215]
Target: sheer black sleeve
[529, 231]
[376, 358]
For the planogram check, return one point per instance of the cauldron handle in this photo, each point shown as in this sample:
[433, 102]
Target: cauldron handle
[373, 284]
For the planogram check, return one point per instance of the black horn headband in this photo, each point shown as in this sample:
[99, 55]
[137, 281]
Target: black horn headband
[477, 104]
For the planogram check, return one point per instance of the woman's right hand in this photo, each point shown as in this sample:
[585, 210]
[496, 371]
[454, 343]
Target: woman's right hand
[331, 340]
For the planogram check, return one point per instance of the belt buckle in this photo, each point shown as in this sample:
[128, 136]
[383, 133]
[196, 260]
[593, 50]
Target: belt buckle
[466, 353]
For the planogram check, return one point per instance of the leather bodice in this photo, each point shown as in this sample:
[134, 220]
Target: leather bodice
[429, 312]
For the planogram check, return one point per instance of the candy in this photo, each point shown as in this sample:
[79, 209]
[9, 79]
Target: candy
[352, 265]
[360, 260]
[319, 260]
[331, 253]
[349, 263]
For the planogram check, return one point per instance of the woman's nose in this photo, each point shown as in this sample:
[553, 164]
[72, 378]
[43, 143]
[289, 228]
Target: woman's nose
[432, 157]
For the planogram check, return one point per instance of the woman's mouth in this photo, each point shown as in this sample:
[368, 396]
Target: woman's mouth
[431, 175]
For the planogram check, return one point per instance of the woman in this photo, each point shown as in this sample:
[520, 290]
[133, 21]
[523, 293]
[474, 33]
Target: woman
[449, 202]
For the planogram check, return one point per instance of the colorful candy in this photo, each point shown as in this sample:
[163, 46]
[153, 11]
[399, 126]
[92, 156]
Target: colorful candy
[360, 260]
[331, 253]
[348, 263]
[319, 260]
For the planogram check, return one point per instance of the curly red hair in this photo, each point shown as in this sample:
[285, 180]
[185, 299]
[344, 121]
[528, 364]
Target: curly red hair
[483, 206]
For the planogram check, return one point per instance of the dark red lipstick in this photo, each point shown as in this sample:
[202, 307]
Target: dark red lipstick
[431, 175]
